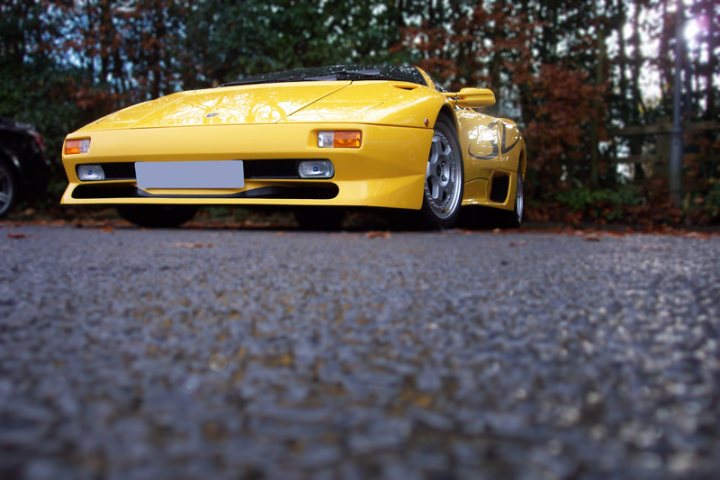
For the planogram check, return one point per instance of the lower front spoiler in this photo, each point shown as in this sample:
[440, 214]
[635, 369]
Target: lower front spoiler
[320, 191]
[396, 192]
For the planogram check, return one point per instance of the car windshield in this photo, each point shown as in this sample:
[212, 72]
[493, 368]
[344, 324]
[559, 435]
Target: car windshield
[403, 73]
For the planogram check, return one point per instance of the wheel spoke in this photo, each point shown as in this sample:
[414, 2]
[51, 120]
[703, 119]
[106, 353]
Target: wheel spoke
[4, 198]
[450, 184]
[447, 151]
[434, 151]
[435, 188]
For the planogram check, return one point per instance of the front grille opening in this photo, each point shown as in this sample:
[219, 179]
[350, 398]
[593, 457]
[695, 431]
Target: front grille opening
[271, 169]
[276, 169]
[119, 171]
[499, 188]
[300, 191]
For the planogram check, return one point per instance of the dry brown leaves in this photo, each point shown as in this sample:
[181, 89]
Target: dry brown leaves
[378, 234]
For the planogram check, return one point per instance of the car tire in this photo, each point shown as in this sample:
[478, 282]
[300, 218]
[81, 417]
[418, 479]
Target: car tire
[514, 218]
[324, 218]
[157, 216]
[8, 189]
[444, 177]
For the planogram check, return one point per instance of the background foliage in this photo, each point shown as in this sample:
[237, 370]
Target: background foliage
[574, 74]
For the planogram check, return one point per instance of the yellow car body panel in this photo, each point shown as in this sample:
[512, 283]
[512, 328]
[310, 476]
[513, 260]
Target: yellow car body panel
[280, 121]
[491, 147]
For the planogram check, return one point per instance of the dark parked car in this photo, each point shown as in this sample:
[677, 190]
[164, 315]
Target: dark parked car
[24, 167]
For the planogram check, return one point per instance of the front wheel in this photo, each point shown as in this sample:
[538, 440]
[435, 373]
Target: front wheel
[442, 195]
[8, 189]
[157, 216]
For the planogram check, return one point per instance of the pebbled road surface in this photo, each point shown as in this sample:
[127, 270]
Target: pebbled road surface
[136, 354]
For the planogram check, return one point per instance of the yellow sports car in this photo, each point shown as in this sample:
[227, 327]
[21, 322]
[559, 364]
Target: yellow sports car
[318, 139]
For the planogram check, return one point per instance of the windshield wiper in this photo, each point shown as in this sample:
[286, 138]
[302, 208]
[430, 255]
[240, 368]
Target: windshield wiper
[332, 75]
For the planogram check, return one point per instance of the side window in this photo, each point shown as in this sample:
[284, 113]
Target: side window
[438, 87]
[435, 84]
[429, 80]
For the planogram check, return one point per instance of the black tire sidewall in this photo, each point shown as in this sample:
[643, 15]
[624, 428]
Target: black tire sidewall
[14, 185]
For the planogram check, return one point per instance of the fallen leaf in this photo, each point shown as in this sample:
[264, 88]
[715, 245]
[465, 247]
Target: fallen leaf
[191, 245]
[17, 236]
[698, 235]
[378, 234]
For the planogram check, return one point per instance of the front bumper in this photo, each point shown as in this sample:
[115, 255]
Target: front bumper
[388, 170]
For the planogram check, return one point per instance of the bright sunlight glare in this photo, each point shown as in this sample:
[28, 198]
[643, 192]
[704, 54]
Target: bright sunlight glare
[692, 30]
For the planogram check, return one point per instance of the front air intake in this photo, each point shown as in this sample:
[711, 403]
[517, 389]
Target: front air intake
[499, 188]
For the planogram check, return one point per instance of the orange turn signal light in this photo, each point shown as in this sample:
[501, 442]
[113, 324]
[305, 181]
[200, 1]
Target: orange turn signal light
[347, 139]
[77, 145]
[340, 139]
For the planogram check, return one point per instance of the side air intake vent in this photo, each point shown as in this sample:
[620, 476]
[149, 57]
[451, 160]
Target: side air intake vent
[499, 188]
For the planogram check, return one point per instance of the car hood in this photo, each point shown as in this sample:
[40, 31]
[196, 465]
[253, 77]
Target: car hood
[375, 102]
[379, 102]
[248, 104]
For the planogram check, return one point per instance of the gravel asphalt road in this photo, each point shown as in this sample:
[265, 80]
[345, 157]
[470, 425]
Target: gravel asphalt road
[228, 354]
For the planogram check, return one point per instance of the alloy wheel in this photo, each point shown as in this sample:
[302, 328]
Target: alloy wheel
[519, 198]
[443, 183]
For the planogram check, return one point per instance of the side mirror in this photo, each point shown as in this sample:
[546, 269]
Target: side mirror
[472, 97]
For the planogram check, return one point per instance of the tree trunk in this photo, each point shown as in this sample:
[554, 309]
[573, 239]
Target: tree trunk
[637, 110]
[597, 103]
[713, 44]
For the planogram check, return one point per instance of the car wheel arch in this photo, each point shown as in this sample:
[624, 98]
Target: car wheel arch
[447, 111]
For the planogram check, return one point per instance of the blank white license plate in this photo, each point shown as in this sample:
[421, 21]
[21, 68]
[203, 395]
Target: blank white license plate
[205, 174]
